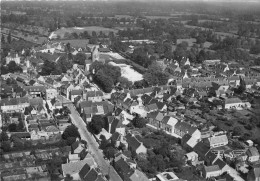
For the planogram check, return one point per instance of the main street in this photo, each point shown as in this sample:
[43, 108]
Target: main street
[92, 144]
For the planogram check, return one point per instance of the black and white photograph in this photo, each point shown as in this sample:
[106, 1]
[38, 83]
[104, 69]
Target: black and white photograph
[130, 90]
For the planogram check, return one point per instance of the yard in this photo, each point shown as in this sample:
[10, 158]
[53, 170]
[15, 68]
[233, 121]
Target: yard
[241, 123]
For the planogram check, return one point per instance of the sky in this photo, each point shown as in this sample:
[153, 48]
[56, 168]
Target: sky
[150, 0]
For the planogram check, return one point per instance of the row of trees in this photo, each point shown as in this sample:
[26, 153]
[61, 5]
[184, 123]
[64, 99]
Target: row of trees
[10, 68]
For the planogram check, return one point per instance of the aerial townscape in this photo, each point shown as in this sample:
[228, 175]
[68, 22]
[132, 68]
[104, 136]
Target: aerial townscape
[130, 90]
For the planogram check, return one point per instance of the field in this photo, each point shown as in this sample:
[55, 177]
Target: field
[61, 32]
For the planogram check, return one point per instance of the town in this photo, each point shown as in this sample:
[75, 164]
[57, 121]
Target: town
[151, 96]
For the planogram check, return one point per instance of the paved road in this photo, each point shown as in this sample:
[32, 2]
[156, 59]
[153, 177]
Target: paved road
[92, 144]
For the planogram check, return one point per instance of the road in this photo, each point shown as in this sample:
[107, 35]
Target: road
[98, 156]
[93, 146]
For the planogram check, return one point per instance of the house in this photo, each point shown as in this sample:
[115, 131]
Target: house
[138, 175]
[123, 169]
[254, 174]
[51, 93]
[211, 171]
[222, 165]
[155, 119]
[192, 157]
[188, 141]
[135, 145]
[75, 93]
[40, 78]
[217, 141]
[35, 91]
[73, 168]
[115, 125]
[12, 56]
[14, 104]
[168, 124]
[182, 128]
[235, 103]
[94, 96]
[166, 176]
[253, 154]
[201, 149]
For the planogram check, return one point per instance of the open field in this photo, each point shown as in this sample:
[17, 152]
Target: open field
[61, 32]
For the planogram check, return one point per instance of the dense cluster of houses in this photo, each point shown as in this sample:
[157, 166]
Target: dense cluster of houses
[176, 108]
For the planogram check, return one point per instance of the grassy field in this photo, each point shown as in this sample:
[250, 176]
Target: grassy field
[61, 32]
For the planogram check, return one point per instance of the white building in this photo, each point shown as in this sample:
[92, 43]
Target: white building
[217, 141]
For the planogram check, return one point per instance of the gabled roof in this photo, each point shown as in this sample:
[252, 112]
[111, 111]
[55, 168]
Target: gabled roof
[92, 175]
[160, 105]
[220, 163]
[210, 157]
[124, 167]
[159, 116]
[201, 149]
[146, 99]
[252, 151]
[185, 127]
[76, 92]
[118, 111]
[212, 168]
[84, 171]
[152, 107]
[14, 101]
[35, 88]
[115, 124]
[85, 104]
[166, 96]
[232, 100]
[132, 142]
[115, 136]
[218, 139]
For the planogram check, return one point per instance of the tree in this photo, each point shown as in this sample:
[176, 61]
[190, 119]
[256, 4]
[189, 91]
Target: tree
[80, 58]
[70, 140]
[110, 152]
[13, 67]
[242, 86]
[68, 47]
[71, 131]
[104, 81]
[6, 145]
[158, 162]
[237, 131]
[94, 34]
[12, 127]
[3, 136]
[255, 49]
[124, 82]
[64, 63]
[3, 39]
[139, 122]
[9, 38]
[96, 124]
